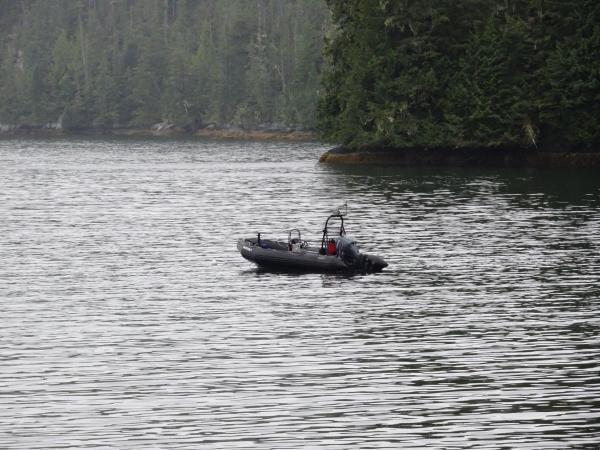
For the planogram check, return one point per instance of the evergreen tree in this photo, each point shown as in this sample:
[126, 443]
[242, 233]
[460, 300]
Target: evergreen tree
[462, 73]
[570, 101]
[104, 63]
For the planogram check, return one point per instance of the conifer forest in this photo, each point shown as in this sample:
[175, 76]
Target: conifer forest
[463, 73]
[117, 63]
[393, 73]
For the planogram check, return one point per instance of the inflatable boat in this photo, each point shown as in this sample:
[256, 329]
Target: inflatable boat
[337, 252]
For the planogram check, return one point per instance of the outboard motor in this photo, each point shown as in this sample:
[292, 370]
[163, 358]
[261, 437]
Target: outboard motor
[358, 262]
[348, 252]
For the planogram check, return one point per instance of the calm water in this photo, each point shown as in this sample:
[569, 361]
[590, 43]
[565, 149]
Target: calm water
[129, 320]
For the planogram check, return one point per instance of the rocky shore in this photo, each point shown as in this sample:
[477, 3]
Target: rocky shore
[463, 157]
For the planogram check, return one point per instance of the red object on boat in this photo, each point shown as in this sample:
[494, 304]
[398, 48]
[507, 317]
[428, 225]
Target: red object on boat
[331, 247]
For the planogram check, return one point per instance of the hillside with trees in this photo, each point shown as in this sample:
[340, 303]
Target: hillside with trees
[394, 74]
[135, 63]
[463, 73]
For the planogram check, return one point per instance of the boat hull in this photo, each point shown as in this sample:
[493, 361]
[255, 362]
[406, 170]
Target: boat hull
[274, 256]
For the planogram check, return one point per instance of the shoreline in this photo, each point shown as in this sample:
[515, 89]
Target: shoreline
[163, 131]
[463, 157]
[340, 155]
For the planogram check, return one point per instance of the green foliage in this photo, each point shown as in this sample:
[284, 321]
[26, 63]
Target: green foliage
[106, 63]
[571, 100]
[462, 73]
[488, 100]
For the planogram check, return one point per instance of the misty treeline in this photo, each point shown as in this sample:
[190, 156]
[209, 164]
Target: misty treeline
[118, 63]
[436, 73]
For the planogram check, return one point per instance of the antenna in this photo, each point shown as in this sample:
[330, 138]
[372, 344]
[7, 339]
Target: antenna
[342, 210]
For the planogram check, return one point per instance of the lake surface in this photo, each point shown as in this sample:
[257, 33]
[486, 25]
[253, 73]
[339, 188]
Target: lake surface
[129, 319]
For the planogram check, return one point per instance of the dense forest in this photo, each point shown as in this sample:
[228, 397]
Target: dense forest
[135, 63]
[391, 73]
[463, 73]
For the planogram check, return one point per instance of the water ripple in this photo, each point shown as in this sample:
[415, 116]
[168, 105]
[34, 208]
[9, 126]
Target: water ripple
[130, 321]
